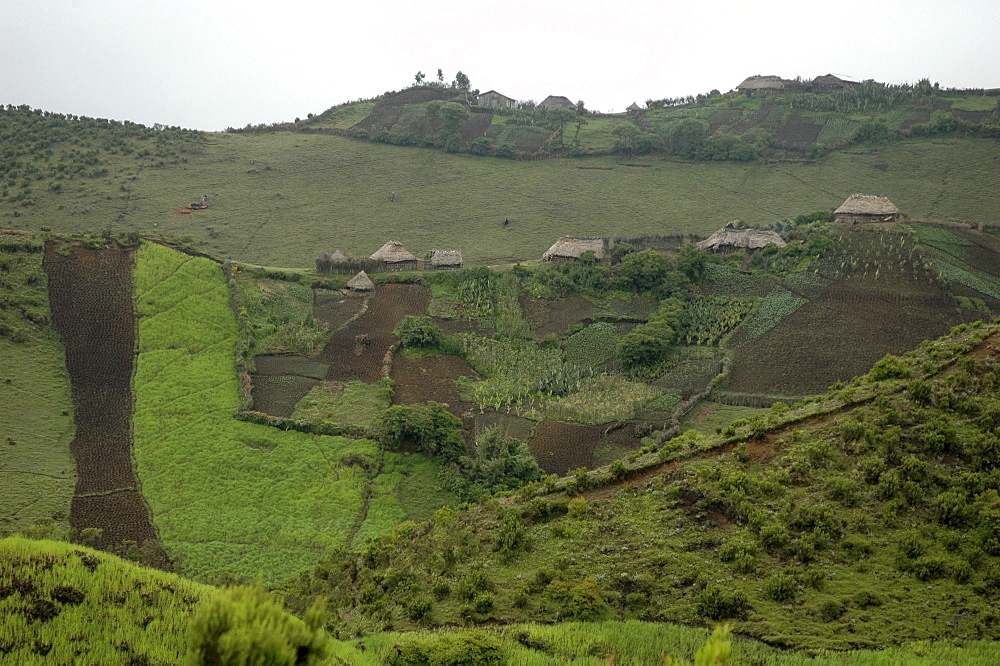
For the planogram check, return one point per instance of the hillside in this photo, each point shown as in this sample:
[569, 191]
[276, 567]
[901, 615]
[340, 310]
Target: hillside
[819, 526]
[282, 196]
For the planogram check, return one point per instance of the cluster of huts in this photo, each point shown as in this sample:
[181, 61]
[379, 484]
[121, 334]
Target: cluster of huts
[392, 256]
[775, 85]
[495, 100]
[734, 236]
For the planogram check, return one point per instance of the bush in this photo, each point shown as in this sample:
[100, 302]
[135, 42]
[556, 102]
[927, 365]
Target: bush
[831, 610]
[247, 626]
[418, 332]
[448, 649]
[781, 587]
[430, 428]
[506, 150]
[718, 603]
[890, 367]
[480, 146]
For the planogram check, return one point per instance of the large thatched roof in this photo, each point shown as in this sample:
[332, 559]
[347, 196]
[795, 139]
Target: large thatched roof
[556, 102]
[393, 252]
[733, 236]
[633, 108]
[338, 257]
[867, 204]
[769, 82]
[569, 247]
[361, 282]
[446, 258]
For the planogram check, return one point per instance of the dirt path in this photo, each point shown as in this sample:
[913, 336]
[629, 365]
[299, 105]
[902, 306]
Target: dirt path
[91, 296]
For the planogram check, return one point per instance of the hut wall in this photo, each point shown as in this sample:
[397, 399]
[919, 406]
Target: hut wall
[353, 265]
[863, 218]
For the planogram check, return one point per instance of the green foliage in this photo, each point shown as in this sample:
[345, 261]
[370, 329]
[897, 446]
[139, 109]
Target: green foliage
[718, 603]
[890, 367]
[496, 462]
[448, 649]
[356, 404]
[418, 332]
[247, 626]
[429, 428]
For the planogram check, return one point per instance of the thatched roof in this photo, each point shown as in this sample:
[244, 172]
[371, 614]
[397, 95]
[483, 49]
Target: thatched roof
[556, 102]
[441, 258]
[569, 247]
[361, 282]
[633, 107]
[338, 257]
[867, 204]
[769, 82]
[735, 236]
[393, 252]
[833, 81]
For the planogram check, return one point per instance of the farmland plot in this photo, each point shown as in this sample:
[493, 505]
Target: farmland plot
[232, 498]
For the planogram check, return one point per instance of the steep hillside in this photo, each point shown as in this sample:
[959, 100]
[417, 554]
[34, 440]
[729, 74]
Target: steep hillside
[819, 526]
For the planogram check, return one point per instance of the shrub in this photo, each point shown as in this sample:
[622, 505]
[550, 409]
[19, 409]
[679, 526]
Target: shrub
[247, 626]
[831, 610]
[506, 150]
[448, 649]
[774, 535]
[718, 603]
[418, 332]
[890, 367]
[480, 146]
[430, 428]
[578, 507]
[781, 587]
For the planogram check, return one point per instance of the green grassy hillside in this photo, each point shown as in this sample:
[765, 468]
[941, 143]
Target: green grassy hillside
[281, 198]
[37, 471]
[820, 526]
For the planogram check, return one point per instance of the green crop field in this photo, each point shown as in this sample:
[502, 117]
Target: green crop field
[234, 497]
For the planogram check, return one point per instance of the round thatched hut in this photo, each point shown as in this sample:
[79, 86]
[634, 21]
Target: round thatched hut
[360, 282]
[735, 236]
[862, 208]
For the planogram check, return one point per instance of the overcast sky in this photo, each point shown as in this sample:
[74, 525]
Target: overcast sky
[212, 64]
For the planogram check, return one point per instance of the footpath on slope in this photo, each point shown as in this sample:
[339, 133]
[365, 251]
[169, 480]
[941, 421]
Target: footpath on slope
[90, 291]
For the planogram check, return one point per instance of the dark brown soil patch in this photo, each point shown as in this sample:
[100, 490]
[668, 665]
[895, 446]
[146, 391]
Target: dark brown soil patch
[855, 322]
[798, 130]
[433, 378]
[548, 317]
[358, 350]
[278, 395]
[282, 380]
[508, 424]
[560, 447]
[335, 308]
[91, 297]
[124, 517]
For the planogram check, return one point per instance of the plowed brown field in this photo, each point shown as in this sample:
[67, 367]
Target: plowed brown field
[91, 296]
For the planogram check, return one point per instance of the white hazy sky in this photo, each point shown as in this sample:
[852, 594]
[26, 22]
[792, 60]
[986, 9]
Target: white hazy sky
[212, 64]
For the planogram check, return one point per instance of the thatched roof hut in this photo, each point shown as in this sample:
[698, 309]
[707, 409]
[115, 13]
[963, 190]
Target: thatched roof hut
[393, 252]
[831, 83]
[633, 108]
[764, 84]
[556, 102]
[860, 208]
[735, 236]
[360, 282]
[445, 259]
[569, 247]
[338, 257]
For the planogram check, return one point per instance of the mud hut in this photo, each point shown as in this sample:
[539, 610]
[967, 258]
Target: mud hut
[633, 108]
[556, 102]
[569, 248]
[395, 257]
[495, 100]
[735, 236]
[338, 258]
[867, 208]
[360, 282]
[445, 259]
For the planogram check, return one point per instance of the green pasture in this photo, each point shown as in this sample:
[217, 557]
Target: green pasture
[37, 470]
[232, 498]
[282, 198]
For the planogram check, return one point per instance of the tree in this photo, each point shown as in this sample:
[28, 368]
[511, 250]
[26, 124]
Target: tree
[244, 625]
[461, 81]
[580, 108]
[641, 350]
[440, 76]
[430, 428]
[497, 462]
[691, 262]
[688, 136]
[418, 332]
[419, 78]
[644, 270]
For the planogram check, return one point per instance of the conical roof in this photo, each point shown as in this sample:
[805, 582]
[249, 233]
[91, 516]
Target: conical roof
[867, 204]
[361, 282]
[338, 257]
[393, 252]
